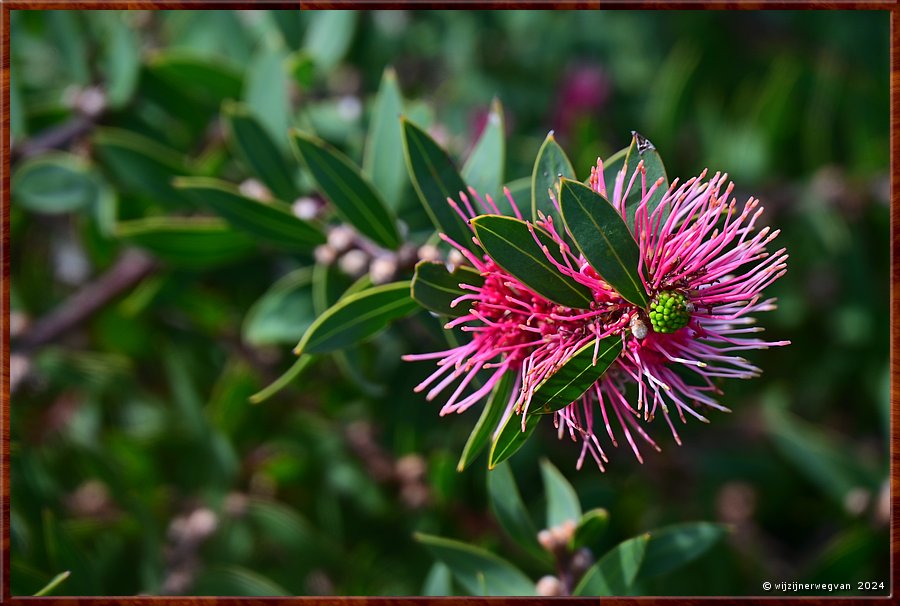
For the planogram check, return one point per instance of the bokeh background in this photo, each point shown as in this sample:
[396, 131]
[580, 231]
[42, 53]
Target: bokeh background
[137, 462]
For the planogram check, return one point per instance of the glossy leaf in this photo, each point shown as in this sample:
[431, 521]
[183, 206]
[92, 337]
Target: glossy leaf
[642, 149]
[188, 242]
[510, 244]
[615, 572]
[671, 547]
[209, 80]
[435, 179]
[509, 509]
[478, 571]
[484, 167]
[352, 195]
[562, 501]
[357, 317]
[604, 239]
[550, 164]
[488, 421]
[434, 287]
[383, 159]
[54, 183]
[590, 529]
[259, 152]
[511, 437]
[283, 313]
[575, 376]
[272, 221]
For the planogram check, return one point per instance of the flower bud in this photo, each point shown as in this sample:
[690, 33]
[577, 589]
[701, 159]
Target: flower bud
[305, 208]
[354, 263]
[325, 254]
[429, 252]
[549, 586]
[340, 238]
[382, 269]
[255, 189]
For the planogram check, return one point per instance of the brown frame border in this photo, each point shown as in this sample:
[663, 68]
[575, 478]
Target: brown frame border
[6, 6]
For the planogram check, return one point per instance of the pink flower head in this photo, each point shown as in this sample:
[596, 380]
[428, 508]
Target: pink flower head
[704, 266]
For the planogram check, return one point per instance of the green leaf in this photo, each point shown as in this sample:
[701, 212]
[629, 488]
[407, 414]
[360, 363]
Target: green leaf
[510, 244]
[53, 183]
[208, 80]
[120, 61]
[53, 584]
[562, 501]
[328, 36]
[478, 571]
[615, 572]
[289, 376]
[488, 421]
[281, 524]
[435, 179]
[357, 317]
[627, 159]
[259, 152]
[575, 376]
[507, 506]
[272, 220]
[551, 163]
[67, 33]
[671, 547]
[189, 242]
[142, 165]
[352, 195]
[483, 169]
[511, 437]
[438, 582]
[604, 239]
[266, 93]
[302, 68]
[383, 160]
[283, 313]
[235, 581]
[591, 527]
[434, 287]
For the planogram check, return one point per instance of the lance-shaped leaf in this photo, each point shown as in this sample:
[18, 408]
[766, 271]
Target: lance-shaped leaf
[435, 179]
[551, 164]
[272, 221]
[604, 239]
[616, 570]
[189, 242]
[435, 287]
[357, 317]
[510, 244]
[488, 421]
[671, 547]
[627, 159]
[483, 169]
[510, 511]
[383, 159]
[352, 195]
[562, 501]
[257, 150]
[591, 527]
[478, 571]
[575, 376]
[511, 437]
[206, 79]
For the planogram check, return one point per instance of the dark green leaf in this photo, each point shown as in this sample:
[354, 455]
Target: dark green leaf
[53, 584]
[383, 160]
[550, 164]
[272, 221]
[435, 179]
[281, 524]
[67, 33]
[642, 149]
[435, 288]
[562, 501]
[120, 61]
[256, 148]
[483, 169]
[604, 239]
[283, 313]
[357, 317]
[510, 244]
[283, 381]
[575, 376]
[616, 570]
[672, 547]
[591, 527]
[488, 421]
[354, 198]
[235, 581]
[208, 80]
[301, 66]
[479, 572]
[508, 508]
[53, 183]
[511, 437]
[189, 242]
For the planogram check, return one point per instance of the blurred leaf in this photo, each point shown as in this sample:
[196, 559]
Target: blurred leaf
[511, 437]
[272, 221]
[53, 584]
[328, 36]
[257, 150]
[510, 243]
[562, 501]
[55, 182]
[235, 581]
[357, 317]
[479, 572]
[591, 527]
[67, 33]
[353, 197]
[283, 313]
[435, 288]
[281, 525]
[120, 61]
[614, 573]
[484, 167]
[488, 421]
[435, 179]
[266, 93]
[383, 160]
[17, 125]
[439, 581]
[671, 547]
[284, 380]
[551, 163]
[207, 79]
[507, 506]
[604, 239]
[302, 68]
[575, 376]
[190, 242]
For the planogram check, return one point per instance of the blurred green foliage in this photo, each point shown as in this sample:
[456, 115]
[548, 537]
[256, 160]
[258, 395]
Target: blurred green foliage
[138, 464]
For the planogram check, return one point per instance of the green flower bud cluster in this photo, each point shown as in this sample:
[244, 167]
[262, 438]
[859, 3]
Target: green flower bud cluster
[669, 311]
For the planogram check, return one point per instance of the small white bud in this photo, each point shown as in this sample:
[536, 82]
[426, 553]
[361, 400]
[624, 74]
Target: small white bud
[382, 269]
[455, 259]
[340, 238]
[349, 108]
[325, 254]
[429, 252]
[354, 263]
[549, 586]
[305, 208]
[254, 189]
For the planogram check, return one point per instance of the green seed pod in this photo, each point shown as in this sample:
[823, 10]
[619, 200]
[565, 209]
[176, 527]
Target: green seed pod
[669, 311]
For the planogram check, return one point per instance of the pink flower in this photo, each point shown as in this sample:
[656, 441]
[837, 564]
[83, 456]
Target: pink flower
[704, 266]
